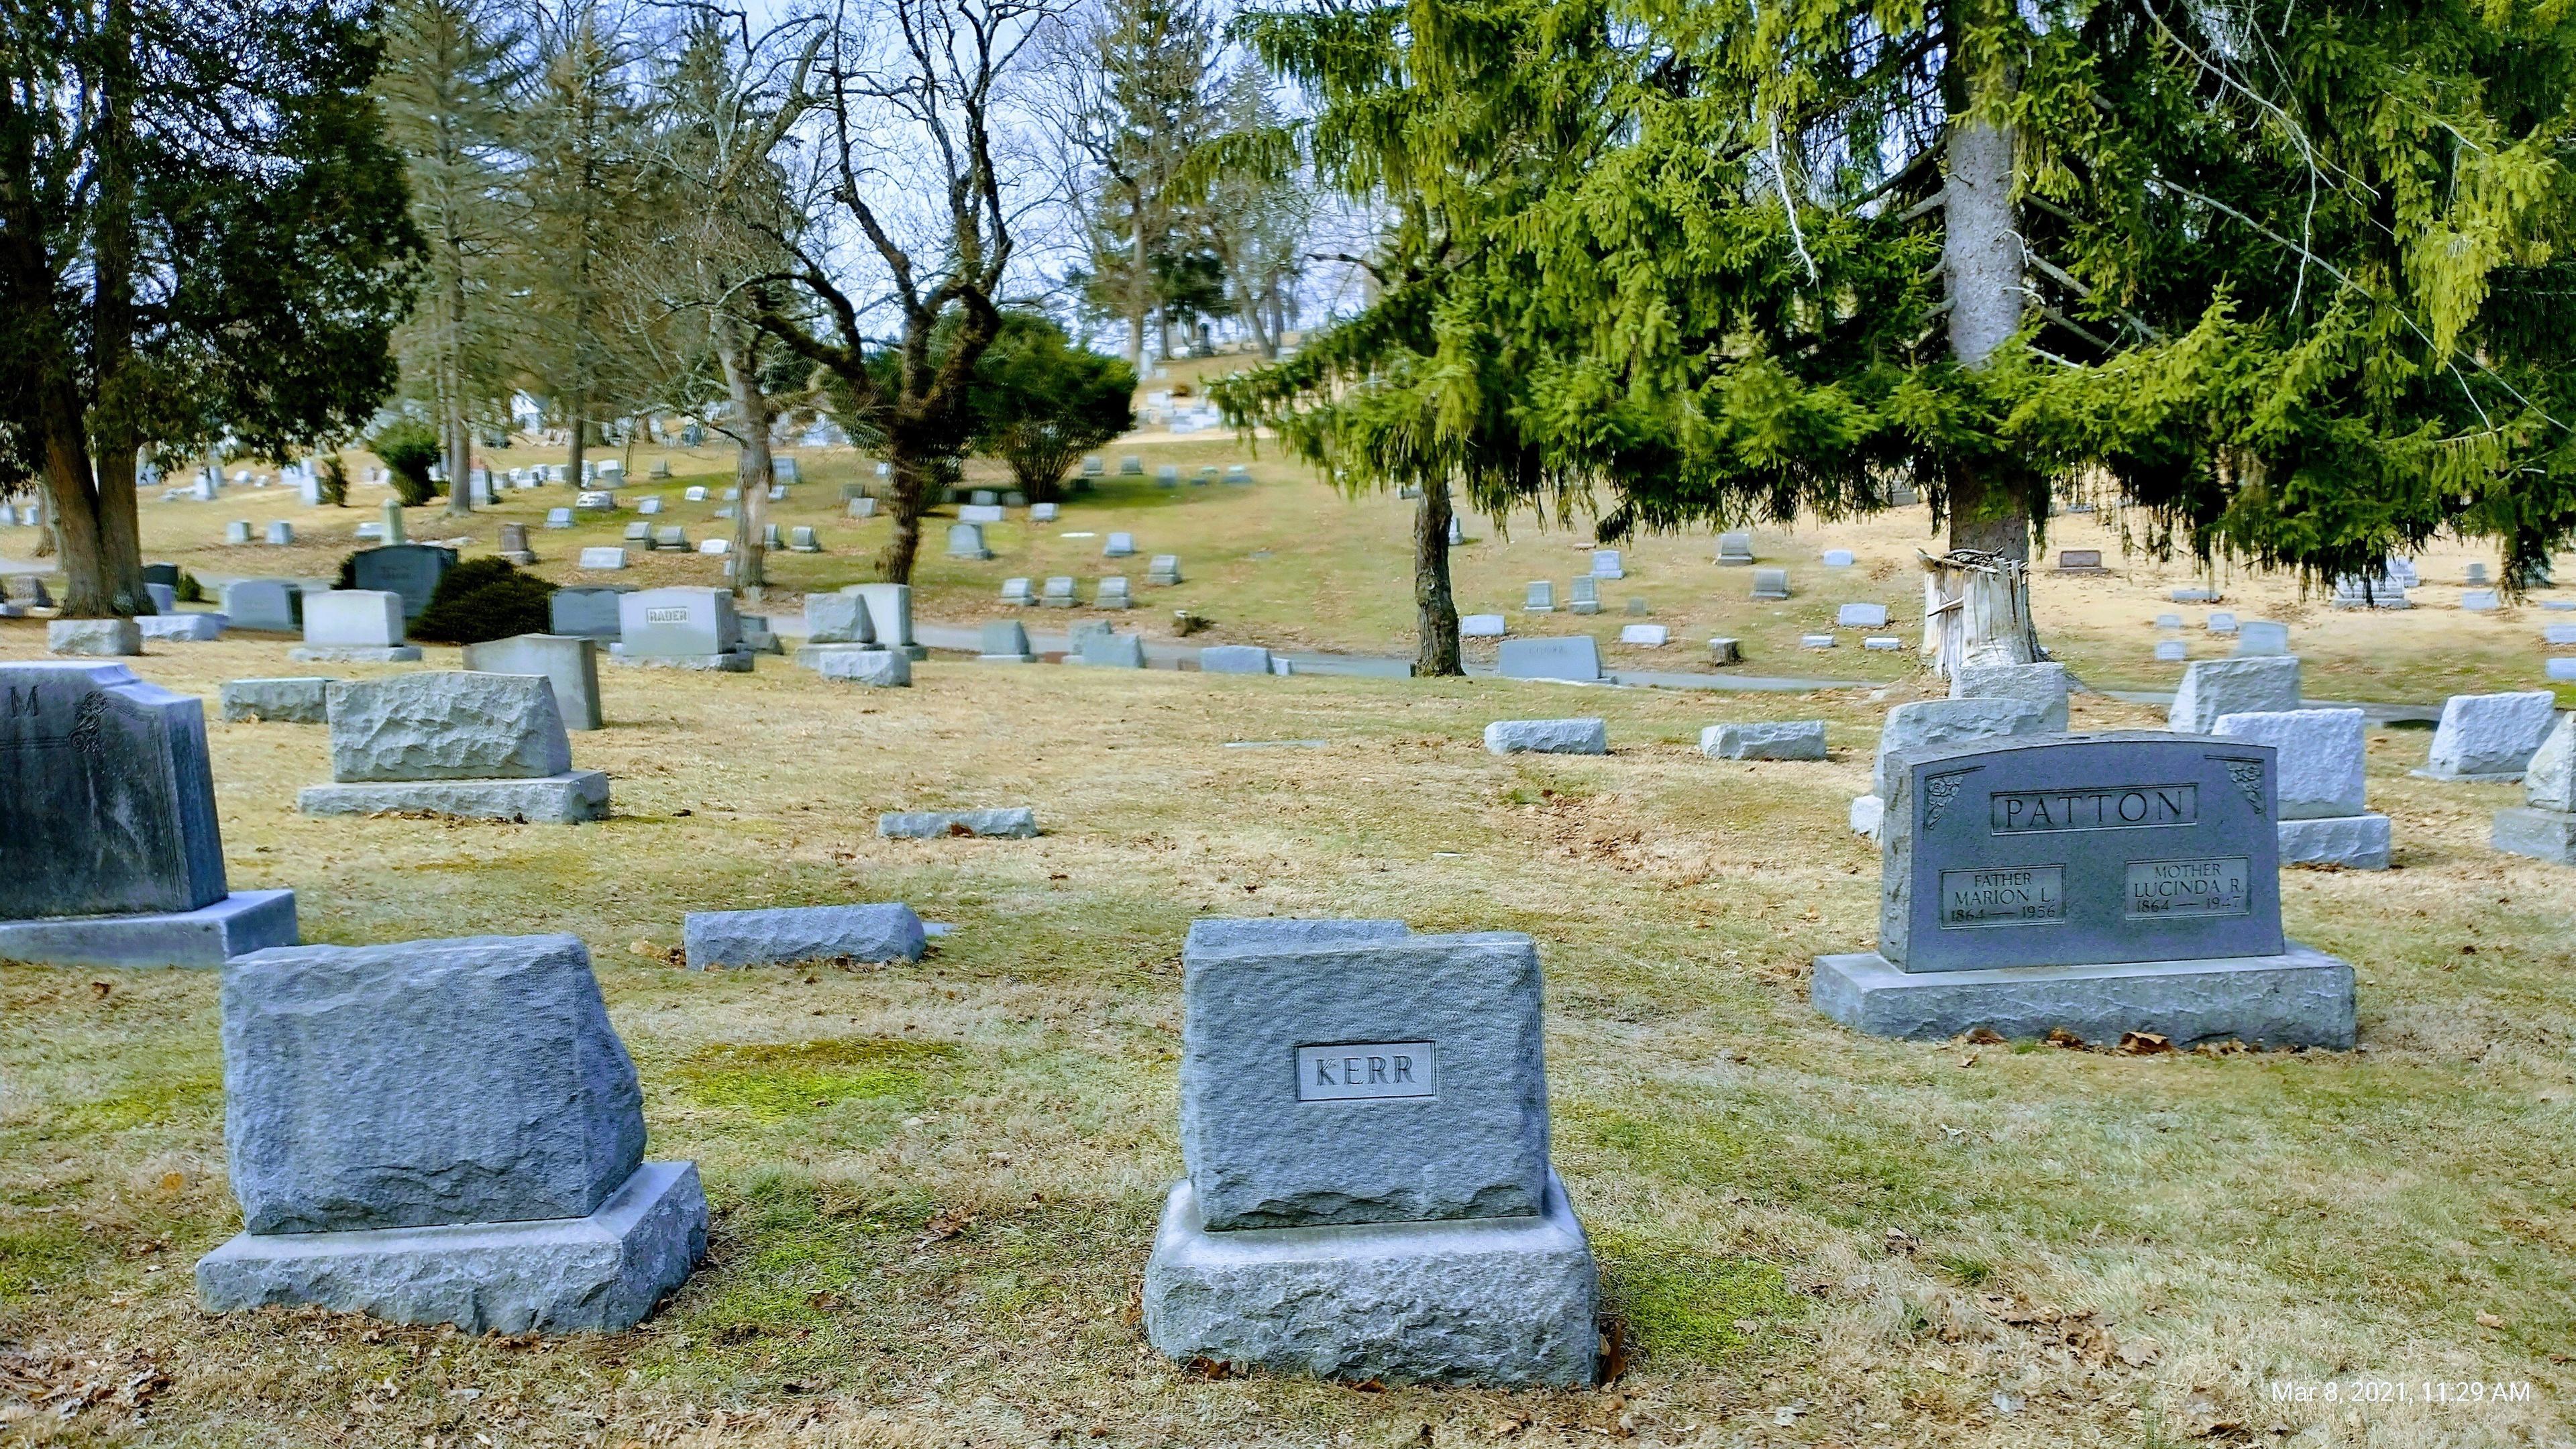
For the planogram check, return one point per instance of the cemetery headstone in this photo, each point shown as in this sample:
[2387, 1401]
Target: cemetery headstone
[281, 534]
[411, 570]
[1164, 570]
[442, 1132]
[514, 544]
[1481, 626]
[2321, 811]
[93, 637]
[602, 558]
[966, 540]
[671, 539]
[2477, 573]
[276, 701]
[393, 521]
[273, 605]
[1111, 593]
[2195, 596]
[2478, 601]
[2172, 651]
[1576, 658]
[2489, 736]
[1541, 599]
[1838, 558]
[1735, 549]
[872, 666]
[590, 612]
[2221, 622]
[717, 545]
[837, 619]
[1119, 545]
[1058, 593]
[1235, 659]
[1606, 564]
[1799, 739]
[113, 855]
[176, 627]
[1583, 595]
[680, 628]
[1167, 476]
[1005, 641]
[2261, 638]
[1724, 651]
[1387, 1213]
[1930, 722]
[165, 598]
[569, 662]
[1457, 531]
[1109, 650]
[1645, 636]
[649, 507]
[1770, 583]
[2099, 885]
[1547, 737]
[1861, 616]
[1131, 466]
[473, 746]
[802, 539]
[1091, 466]
[2080, 561]
[2214, 687]
[1017, 592]
[1042, 513]
[890, 614]
[2544, 825]
[354, 625]
[2044, 685]
[694, 493]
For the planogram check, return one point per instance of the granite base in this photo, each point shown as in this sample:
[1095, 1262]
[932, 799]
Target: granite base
[565, 799]
[240, 922]
[2302, 997]
[736, 661]
[353, 654]
[2541, 834]
[1499, 1301]
[601, 1273]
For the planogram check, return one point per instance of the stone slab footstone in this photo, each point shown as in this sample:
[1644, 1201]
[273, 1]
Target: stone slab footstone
[875, 668]
[571, 798]
[600, 1273]
[195, 628]
[2355, 842]
[1495, 1301]
[2489, 737]
[2297, 997]
[354, 654]
[1548, 737]
[95, 638]
[2519, 830]
[1798, 739]
[1016, 822]
[785, 935]
[1866, 814]
[1234, 659]
[2042, 684]
[1575, 659]
[2214, 687]
[738, 661]
[303, 700]
[203, 938]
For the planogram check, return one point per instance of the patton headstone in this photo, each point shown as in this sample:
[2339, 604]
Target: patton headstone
[112, 855]
[442, 1132]
[2099, 884]
[1364, 1124]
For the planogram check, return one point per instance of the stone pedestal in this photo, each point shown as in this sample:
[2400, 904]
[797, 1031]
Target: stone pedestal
[1503, 1301]
[602, 1273]
[2521, 830]
[239, 922]
[565, 799]
[2356, 842]
[2302, 997]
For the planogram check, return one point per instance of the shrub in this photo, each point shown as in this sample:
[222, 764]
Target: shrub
[409, 448]
[484, 598]
[334, 483]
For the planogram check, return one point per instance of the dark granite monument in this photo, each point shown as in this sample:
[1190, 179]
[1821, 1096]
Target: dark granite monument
[591, 612]
[409, 569]
[111, 855]
[2102, 883]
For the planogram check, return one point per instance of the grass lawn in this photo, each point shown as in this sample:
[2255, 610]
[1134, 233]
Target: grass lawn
[1290, 562]
[935, 1186]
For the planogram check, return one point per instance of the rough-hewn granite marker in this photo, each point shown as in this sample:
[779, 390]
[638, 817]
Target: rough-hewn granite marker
[2322, 753]
[277, 701]
[570, 662]
[2101, 883]
[110, 854]
[1796, 739]
[1364, 1120]
[475, 746]
[785, 935]
[442, 1132]
[2544, 825]
[1548, 737]
[2489, 737]
[1019, 822]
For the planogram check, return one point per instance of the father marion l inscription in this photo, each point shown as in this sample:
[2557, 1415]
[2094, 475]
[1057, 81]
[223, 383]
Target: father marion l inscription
[2102, 883]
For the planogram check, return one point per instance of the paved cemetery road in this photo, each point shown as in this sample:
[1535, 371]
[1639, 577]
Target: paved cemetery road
[1174, 656]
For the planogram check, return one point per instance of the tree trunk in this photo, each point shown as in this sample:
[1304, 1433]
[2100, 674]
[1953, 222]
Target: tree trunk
[451, 361]
[1435, 608]
[579, 438]
[1976, 610]
[752, 466]
[1981, 262]
[908, 486]
[100, 467]
[1137, 293]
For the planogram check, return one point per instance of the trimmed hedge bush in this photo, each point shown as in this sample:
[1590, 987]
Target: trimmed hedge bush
[482, 599]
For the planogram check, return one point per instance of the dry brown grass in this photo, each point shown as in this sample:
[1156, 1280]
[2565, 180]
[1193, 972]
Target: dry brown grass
[930, 1226]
